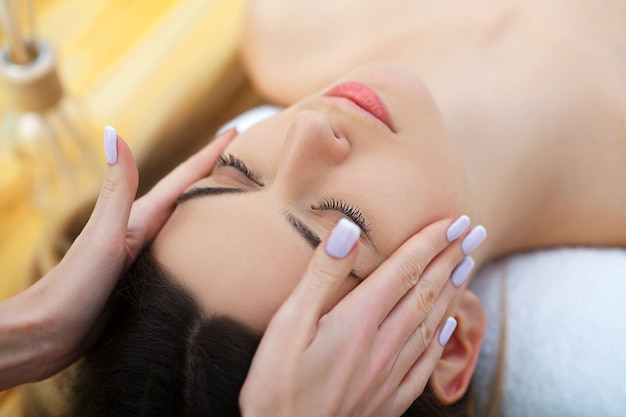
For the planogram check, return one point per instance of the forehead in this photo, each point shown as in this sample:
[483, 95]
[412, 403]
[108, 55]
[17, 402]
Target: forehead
[238, 260]
[236, 254]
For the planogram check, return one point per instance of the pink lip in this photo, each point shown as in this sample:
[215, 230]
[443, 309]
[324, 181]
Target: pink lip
[364, 97]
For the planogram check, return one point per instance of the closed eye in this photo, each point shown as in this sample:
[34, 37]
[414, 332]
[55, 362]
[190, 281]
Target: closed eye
[350, 211]
[230, 160]
[333, 204]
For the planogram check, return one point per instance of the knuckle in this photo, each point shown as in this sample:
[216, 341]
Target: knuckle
[418, 384]
[435, 235]
[456, 255]
[321, 274]
[426, 296]
[426, 334]
[410, 268]
[383, 363]
[420, 340]
[110, 185]
[439, 241]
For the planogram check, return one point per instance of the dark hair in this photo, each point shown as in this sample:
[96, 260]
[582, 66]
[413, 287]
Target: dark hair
[160, 356]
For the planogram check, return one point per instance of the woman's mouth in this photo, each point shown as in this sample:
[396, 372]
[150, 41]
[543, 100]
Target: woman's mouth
[365, 98]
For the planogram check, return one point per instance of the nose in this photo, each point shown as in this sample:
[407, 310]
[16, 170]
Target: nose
[312, 149]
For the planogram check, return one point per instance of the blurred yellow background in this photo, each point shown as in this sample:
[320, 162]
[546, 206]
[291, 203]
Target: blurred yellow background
[165, 73]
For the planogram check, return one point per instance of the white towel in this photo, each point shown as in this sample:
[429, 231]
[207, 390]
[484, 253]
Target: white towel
[250, 117]
[566, 324]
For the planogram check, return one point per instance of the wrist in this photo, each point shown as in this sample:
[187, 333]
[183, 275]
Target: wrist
[26, 353]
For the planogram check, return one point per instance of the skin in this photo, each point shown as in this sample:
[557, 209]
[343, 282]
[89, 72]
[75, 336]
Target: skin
[53, 322]
[401, 180]
[518, 93]
[239, 255]
[526, 90]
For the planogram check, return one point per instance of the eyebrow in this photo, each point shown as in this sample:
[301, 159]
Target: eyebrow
[204, 191]
[303, 230]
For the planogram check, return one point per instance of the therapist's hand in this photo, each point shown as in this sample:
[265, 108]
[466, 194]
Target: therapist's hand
[51, 324]
[373, 353]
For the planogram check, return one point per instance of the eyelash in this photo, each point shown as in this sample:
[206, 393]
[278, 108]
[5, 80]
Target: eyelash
[230, 160]
[350, 211]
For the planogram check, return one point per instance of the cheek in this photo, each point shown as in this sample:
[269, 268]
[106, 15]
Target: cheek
[399, 200]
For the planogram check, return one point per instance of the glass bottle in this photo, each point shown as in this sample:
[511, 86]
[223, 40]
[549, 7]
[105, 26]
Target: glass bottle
[46, 132]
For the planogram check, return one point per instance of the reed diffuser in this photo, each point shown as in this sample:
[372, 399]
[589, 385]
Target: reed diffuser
[43, 126]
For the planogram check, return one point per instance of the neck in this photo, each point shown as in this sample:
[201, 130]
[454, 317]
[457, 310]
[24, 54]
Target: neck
[521, 128]
[507, 192]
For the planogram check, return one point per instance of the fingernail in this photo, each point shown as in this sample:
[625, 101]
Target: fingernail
[342, 239]
[462, 271]
[457, 228]
[473, 239]
[447, 330]
[110, 144]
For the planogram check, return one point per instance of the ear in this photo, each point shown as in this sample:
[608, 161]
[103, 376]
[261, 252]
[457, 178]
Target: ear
[453, 372]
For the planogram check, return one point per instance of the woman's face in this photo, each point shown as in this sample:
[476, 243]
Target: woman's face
[241, 239]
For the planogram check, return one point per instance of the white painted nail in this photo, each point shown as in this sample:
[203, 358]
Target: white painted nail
[110, 144]
[447, 330]
[342, 239]
[457, 228]
[473, 239]
[462, 271]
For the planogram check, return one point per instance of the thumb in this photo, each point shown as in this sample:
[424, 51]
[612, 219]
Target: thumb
[330, 265]
[106, 228]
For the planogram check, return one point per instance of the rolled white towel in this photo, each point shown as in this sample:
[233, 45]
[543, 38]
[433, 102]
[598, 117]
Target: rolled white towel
[251, 117]
[566, 332]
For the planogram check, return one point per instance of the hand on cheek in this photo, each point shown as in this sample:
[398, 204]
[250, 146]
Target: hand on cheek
[371, 354]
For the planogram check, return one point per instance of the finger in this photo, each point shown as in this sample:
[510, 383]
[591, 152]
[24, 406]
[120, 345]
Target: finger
[151, 211]
[416, 309]
[401, 272]
[453, 263]
[413, 384]
[423, 334]
[330, 265]
[408, 330]
[105, 231]
[193, 169]
[91, 267]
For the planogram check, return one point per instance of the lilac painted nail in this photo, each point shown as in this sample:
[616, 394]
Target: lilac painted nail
[473, 239]
[457, 228]
[447, 330]
[110, 144]
[462, 271]
[342, 239]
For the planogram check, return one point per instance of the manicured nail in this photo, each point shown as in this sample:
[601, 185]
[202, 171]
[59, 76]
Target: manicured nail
[462, 271]
[110, 144]
[447, 330]
[342, 239]
[457, 228]
[473, 239]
